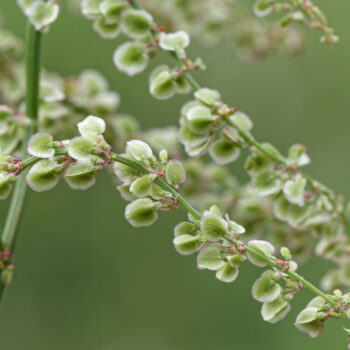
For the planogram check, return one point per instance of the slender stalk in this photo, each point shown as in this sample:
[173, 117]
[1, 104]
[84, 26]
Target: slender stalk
[32, 102]
[250, 139]
[189, 208]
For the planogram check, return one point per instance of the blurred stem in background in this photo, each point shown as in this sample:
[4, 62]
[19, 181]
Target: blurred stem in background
[32, 101]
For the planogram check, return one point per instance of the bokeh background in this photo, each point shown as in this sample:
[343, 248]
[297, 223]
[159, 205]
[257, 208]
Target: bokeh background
[86, 280]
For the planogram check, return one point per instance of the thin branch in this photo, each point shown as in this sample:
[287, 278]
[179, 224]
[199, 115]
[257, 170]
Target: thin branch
[32, 103]
[252, 141]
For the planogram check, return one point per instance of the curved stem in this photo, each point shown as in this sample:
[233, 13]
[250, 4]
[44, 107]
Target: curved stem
[32, 103]
[190, 209]
[250, 139]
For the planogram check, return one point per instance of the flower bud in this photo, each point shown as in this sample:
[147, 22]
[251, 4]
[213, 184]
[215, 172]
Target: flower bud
[175, 172]
[163, 156]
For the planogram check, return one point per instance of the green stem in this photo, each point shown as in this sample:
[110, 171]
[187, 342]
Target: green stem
[32, 103]
[250, 139]
[188, 207]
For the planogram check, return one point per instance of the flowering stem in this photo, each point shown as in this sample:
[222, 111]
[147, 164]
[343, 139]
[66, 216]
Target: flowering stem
[188, 207]
[32, 102]
[251, 140]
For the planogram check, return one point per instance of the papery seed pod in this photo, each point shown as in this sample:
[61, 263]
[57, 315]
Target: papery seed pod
[265, 288]
[131, 58]
[42, 14]
[136, 23]
[210, 258]
[41, 145]
[142, 212]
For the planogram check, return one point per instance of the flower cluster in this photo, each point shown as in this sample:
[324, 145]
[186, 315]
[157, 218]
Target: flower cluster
[280, 196]
[302, 11]
[211, 21]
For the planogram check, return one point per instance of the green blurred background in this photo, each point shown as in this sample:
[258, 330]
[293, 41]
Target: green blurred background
[85, 279]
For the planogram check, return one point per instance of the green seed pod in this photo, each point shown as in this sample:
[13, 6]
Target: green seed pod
[92, 82]
[124, 190]
[25, 4]
[8, 144]
[138, 150]
[263, 8]
[257, 162]
[175, 172]
[182, 85]
[213, 227]
[307, 321]
[112, 10]
[91, 125]
[50, 92]
[294, 214]
[142, 212]
[81, 148]
[186, 228]
[104, 103]
[43, 175]
[263, 248]
[42, 14]
[5, 184]
[294, 190]
[236, 260]
[214, 209]
[274, 311]
[7, 275]
[136, 23]
[131, 58]
[80, 175]
[297, 155]
[224, 151]
[265, 288]
[200, 119]
[41, 145]
[158, 193]
[267, 183]
[124, 172]
[227, 273]
[242, 121]
[235, 228]
[91, 8]
[187, 244]
[174, 41]
[210, 258]
[106, 29]
[207, 97]
[162, 83]
[142, 186]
